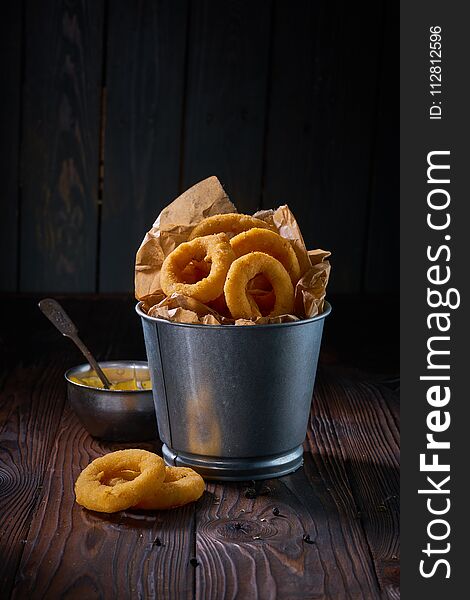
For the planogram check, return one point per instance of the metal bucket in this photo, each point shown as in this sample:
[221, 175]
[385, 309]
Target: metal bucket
[233, 402]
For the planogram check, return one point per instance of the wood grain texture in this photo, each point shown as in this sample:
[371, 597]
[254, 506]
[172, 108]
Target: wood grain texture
[226, 97]
[29, 415]
[321, 122]
[145, 73]
[344, 498]
[285, 103]
[32, 400]
[242, 546]
[61, 106]
[365, 443]
[381, 270]
[11, 40]
[75, 553]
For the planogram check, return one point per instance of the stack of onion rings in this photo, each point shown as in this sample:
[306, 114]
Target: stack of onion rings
[212, 249]
[232, 223]
[269, 242]
[240, 303]
[118, 480]
[204, 268]
[135, 479]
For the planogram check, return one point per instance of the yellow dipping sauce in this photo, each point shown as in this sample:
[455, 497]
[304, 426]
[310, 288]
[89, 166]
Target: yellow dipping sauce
[121, 379]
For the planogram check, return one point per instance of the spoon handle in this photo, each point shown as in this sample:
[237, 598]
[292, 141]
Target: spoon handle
[58, 317]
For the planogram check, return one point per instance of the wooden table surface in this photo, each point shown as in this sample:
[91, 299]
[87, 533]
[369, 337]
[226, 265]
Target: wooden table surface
[345, 498]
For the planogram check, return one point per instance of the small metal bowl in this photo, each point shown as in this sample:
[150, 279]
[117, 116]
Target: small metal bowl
[113, 415]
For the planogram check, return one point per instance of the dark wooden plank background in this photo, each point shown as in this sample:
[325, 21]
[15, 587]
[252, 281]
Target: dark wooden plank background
[383, 250]
[226, 97]
[116, 107]
[144, 79]
[321, 124]
[11, 25]
[61, 120]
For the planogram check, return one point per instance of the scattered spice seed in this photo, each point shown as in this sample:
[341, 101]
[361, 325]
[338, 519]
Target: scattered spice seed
[262, 520]
[250, 493]
[256, 537]
[239, 527]
[276, 511]
[306, 539]
[194, 562]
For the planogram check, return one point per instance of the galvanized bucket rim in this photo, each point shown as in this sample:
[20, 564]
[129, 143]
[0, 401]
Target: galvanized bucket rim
[325, 313]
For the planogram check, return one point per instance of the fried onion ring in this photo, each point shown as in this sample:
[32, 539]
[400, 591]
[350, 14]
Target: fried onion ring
[195, 271]
[264, 300]
[215, 250]
[269, 242]
[260, 289]
[181, 485]
[233, 223]
[240, 302]
[119, 480]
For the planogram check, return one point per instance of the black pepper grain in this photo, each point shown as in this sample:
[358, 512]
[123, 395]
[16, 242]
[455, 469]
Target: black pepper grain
[250, 493]
[306, 539]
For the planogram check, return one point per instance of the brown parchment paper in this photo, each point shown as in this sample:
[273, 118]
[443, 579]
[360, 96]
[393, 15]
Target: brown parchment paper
[174, 225]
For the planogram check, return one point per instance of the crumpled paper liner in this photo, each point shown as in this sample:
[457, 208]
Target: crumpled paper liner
[174, 225]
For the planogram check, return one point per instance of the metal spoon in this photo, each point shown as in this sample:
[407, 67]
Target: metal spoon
[58, 317]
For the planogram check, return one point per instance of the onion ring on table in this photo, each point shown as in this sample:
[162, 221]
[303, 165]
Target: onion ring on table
[233, 223]
[181, 486]
[215, 250]
[119, 480]
[269, 242]
[240, 302]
